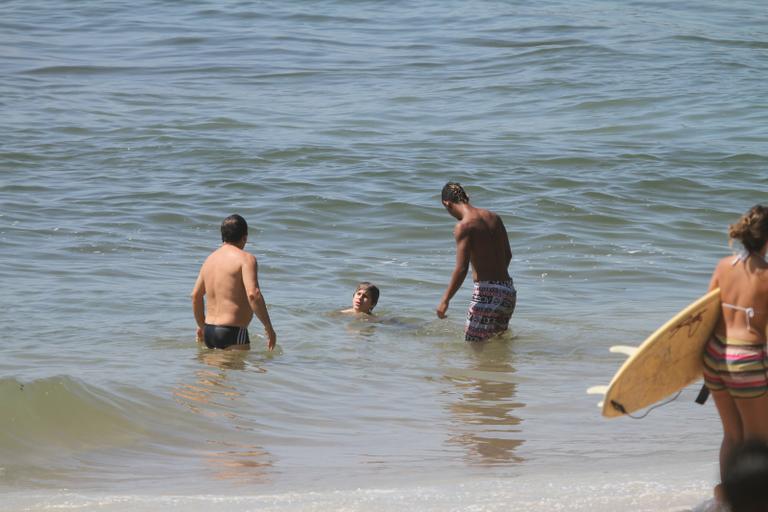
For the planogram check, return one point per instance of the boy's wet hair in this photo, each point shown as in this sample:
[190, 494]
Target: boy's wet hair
[372, 289]
[453, 192]
[233, 229]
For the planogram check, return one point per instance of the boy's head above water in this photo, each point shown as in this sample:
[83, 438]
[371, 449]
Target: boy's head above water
[365, 298]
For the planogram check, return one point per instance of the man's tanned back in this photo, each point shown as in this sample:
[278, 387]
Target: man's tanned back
[488, 245]
[222, 274]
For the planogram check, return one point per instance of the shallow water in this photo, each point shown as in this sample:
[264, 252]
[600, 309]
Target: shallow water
[617, 140]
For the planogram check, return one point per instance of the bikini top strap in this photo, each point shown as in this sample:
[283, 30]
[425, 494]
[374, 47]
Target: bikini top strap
[750, 312]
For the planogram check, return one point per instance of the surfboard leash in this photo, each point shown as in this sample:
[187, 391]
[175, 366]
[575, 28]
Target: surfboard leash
[616, 405]
[703, 395]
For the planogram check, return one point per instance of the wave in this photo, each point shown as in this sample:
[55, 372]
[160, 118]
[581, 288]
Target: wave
[746, 158]
[79, 70]
[737, 43]
[62, 431]
[58, 415]
[53, 418]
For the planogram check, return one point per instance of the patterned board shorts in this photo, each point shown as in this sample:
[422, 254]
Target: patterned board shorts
[492, 305]
[737, 366]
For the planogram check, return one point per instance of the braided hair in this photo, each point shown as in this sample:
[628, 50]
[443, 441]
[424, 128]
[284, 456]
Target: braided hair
[453, 192]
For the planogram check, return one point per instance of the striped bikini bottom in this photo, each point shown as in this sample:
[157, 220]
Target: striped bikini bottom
[493, 303]
[738, 366]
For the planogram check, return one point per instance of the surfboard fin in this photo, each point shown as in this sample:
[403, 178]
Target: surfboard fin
[616, 349]
[597, 390]
[627, 350]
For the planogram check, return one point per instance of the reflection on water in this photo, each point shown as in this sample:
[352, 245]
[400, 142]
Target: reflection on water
[362, 329]
[238, 462]
[357, 325]
[211, 387]
[214, 396]
[485, 422]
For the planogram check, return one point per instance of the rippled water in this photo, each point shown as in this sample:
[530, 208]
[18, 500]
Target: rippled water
[617, 140]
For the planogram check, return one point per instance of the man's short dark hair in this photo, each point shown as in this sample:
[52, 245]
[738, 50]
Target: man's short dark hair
[454, 193]
[233, 229]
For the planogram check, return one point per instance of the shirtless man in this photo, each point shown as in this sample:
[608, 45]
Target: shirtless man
[481, 239]
[229, 280]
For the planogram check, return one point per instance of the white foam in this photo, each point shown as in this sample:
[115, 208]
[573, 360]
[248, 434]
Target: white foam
[596, 492]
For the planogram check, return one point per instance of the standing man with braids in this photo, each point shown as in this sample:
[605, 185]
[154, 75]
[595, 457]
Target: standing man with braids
[481, 239]
[229, 282]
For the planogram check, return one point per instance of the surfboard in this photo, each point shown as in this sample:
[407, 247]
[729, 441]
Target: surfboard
[667, 361]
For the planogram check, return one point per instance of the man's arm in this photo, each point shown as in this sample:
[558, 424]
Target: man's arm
[459, 270]
[256, 299]
[198, 305]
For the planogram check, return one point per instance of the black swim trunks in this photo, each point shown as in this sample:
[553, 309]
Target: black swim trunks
[223, 336]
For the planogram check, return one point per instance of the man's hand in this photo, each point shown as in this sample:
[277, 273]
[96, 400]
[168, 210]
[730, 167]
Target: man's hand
[441, 309]
[199, 335]
[271, 338]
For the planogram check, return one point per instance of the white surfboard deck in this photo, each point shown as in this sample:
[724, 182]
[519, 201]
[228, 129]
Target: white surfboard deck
[667, 361]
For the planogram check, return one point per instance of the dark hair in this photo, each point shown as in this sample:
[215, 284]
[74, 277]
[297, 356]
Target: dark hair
[744, 478]
[233, 229]
[751, 229]
[454, 193]
[370, 288]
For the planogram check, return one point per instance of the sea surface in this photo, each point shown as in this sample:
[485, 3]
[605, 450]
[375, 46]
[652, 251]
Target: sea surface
[617, 139]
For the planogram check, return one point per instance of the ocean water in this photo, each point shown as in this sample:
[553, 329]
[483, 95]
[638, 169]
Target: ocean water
[617, 140]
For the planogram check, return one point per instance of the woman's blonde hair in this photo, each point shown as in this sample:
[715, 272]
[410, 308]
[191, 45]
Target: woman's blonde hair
[751, 229]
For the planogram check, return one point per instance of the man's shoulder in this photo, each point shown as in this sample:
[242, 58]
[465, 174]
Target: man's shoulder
[484, 212]
[231, 253]
[245, 259]
[491, 220]
[463, 226]
[242, 255]
[212, 257]
[480, 218]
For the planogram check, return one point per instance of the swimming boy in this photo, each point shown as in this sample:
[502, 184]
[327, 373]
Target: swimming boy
[364, 299]
[229, 280]
[481, 239]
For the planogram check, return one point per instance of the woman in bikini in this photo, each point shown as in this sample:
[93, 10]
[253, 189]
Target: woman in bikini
[735, 357]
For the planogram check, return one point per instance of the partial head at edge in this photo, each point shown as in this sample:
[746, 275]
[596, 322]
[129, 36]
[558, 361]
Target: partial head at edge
[744, 477]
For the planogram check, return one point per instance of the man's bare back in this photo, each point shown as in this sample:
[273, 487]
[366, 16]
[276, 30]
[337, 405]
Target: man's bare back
[489, 250]
[222, 275]
[227, 293]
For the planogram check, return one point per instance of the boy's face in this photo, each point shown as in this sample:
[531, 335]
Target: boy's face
[361, 301]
